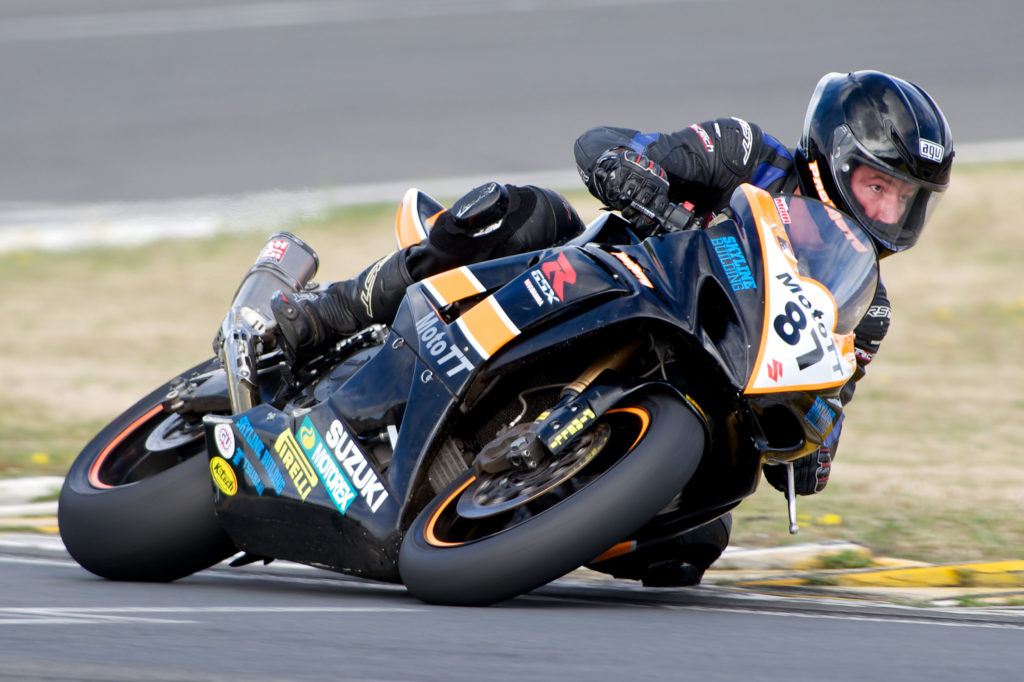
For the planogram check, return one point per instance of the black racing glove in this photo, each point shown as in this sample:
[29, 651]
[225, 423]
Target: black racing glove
[810, 472]
[299, 323]
[629, 182]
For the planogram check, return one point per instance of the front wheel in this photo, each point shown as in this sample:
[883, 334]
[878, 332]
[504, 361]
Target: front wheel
[640, 456]
[137, 503]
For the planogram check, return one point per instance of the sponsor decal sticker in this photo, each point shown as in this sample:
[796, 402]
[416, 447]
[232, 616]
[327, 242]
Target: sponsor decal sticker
[249, 470]
[820, 416]
[223, 475]
[274, 250]
[572, 428]
[252, 438]
[298, 468]
[549, 294]
[532, 290]
[840, 222]
[780, 204]
[338, 487]
[559, 272]
[774, 370]
[445, 353]
[801, 320]
[225, 438]
[634, 268]
[932, 151]
[350, 457]
[819, 186]
[835, 215]
[730, 255]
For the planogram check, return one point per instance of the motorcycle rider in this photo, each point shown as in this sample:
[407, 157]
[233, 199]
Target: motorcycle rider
[873, 145]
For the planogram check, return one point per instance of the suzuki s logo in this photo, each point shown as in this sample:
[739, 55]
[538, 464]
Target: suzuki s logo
[774, 370]
[559, 272]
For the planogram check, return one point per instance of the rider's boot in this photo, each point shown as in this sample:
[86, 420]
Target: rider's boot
[489, 221]
[308, 320]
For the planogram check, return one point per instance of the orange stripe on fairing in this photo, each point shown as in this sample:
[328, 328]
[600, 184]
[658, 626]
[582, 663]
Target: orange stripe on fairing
[94, 470]
[408, 230]
[428, 531]
[616, 550]
[453, 285]
[487, 327]
[433, 219]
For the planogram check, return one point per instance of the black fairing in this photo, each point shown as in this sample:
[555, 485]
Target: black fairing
[335, 483]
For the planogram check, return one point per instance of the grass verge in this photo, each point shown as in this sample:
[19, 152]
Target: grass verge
[930, 466]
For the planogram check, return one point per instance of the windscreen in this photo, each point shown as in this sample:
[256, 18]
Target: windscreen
[834, 250]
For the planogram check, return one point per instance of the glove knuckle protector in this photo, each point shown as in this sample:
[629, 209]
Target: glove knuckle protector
[624, 178]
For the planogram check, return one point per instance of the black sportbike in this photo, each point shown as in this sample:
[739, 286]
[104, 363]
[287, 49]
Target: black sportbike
[520, 418]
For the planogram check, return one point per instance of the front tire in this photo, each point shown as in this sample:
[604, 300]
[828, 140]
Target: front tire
[137, 503]
[449, 559]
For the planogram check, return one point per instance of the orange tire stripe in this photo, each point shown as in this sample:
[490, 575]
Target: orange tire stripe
[645, 423]
[428, 531]
[94, 470]
[639, 413]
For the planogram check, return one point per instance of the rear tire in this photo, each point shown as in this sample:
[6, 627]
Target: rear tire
[128, 512]
[449, 559]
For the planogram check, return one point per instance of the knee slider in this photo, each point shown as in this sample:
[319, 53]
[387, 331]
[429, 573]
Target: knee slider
[540, 219]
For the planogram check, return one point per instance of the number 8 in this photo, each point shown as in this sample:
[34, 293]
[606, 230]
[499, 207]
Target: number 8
[794, 319]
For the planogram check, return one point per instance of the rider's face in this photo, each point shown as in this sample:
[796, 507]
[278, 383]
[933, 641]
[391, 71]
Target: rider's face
[883, 197]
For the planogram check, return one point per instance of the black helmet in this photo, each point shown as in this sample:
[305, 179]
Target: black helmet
[871, 137]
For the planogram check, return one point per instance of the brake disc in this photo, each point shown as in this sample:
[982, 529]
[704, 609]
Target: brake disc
[492, 494]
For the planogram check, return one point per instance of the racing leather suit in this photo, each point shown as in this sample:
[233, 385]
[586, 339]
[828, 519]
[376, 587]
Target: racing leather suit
[704, 163]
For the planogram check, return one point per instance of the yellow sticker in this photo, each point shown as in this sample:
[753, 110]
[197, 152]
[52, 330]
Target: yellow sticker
[223, 475]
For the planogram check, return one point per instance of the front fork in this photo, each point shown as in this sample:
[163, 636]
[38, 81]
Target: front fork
[525, 447]
[242, 333]
[613, 361]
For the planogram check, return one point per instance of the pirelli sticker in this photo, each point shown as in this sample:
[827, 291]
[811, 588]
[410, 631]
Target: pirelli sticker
[298, 468]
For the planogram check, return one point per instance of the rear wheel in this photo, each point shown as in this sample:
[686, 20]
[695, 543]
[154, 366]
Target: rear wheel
[483, 541]
[137, 503]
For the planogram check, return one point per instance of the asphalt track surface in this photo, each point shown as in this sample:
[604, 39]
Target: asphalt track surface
[117, 100]
[286, 622]
[120, 101]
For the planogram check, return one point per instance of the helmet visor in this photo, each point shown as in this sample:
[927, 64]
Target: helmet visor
[891, 205]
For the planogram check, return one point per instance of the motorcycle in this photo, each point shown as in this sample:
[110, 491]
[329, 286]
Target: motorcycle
[520, 417]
